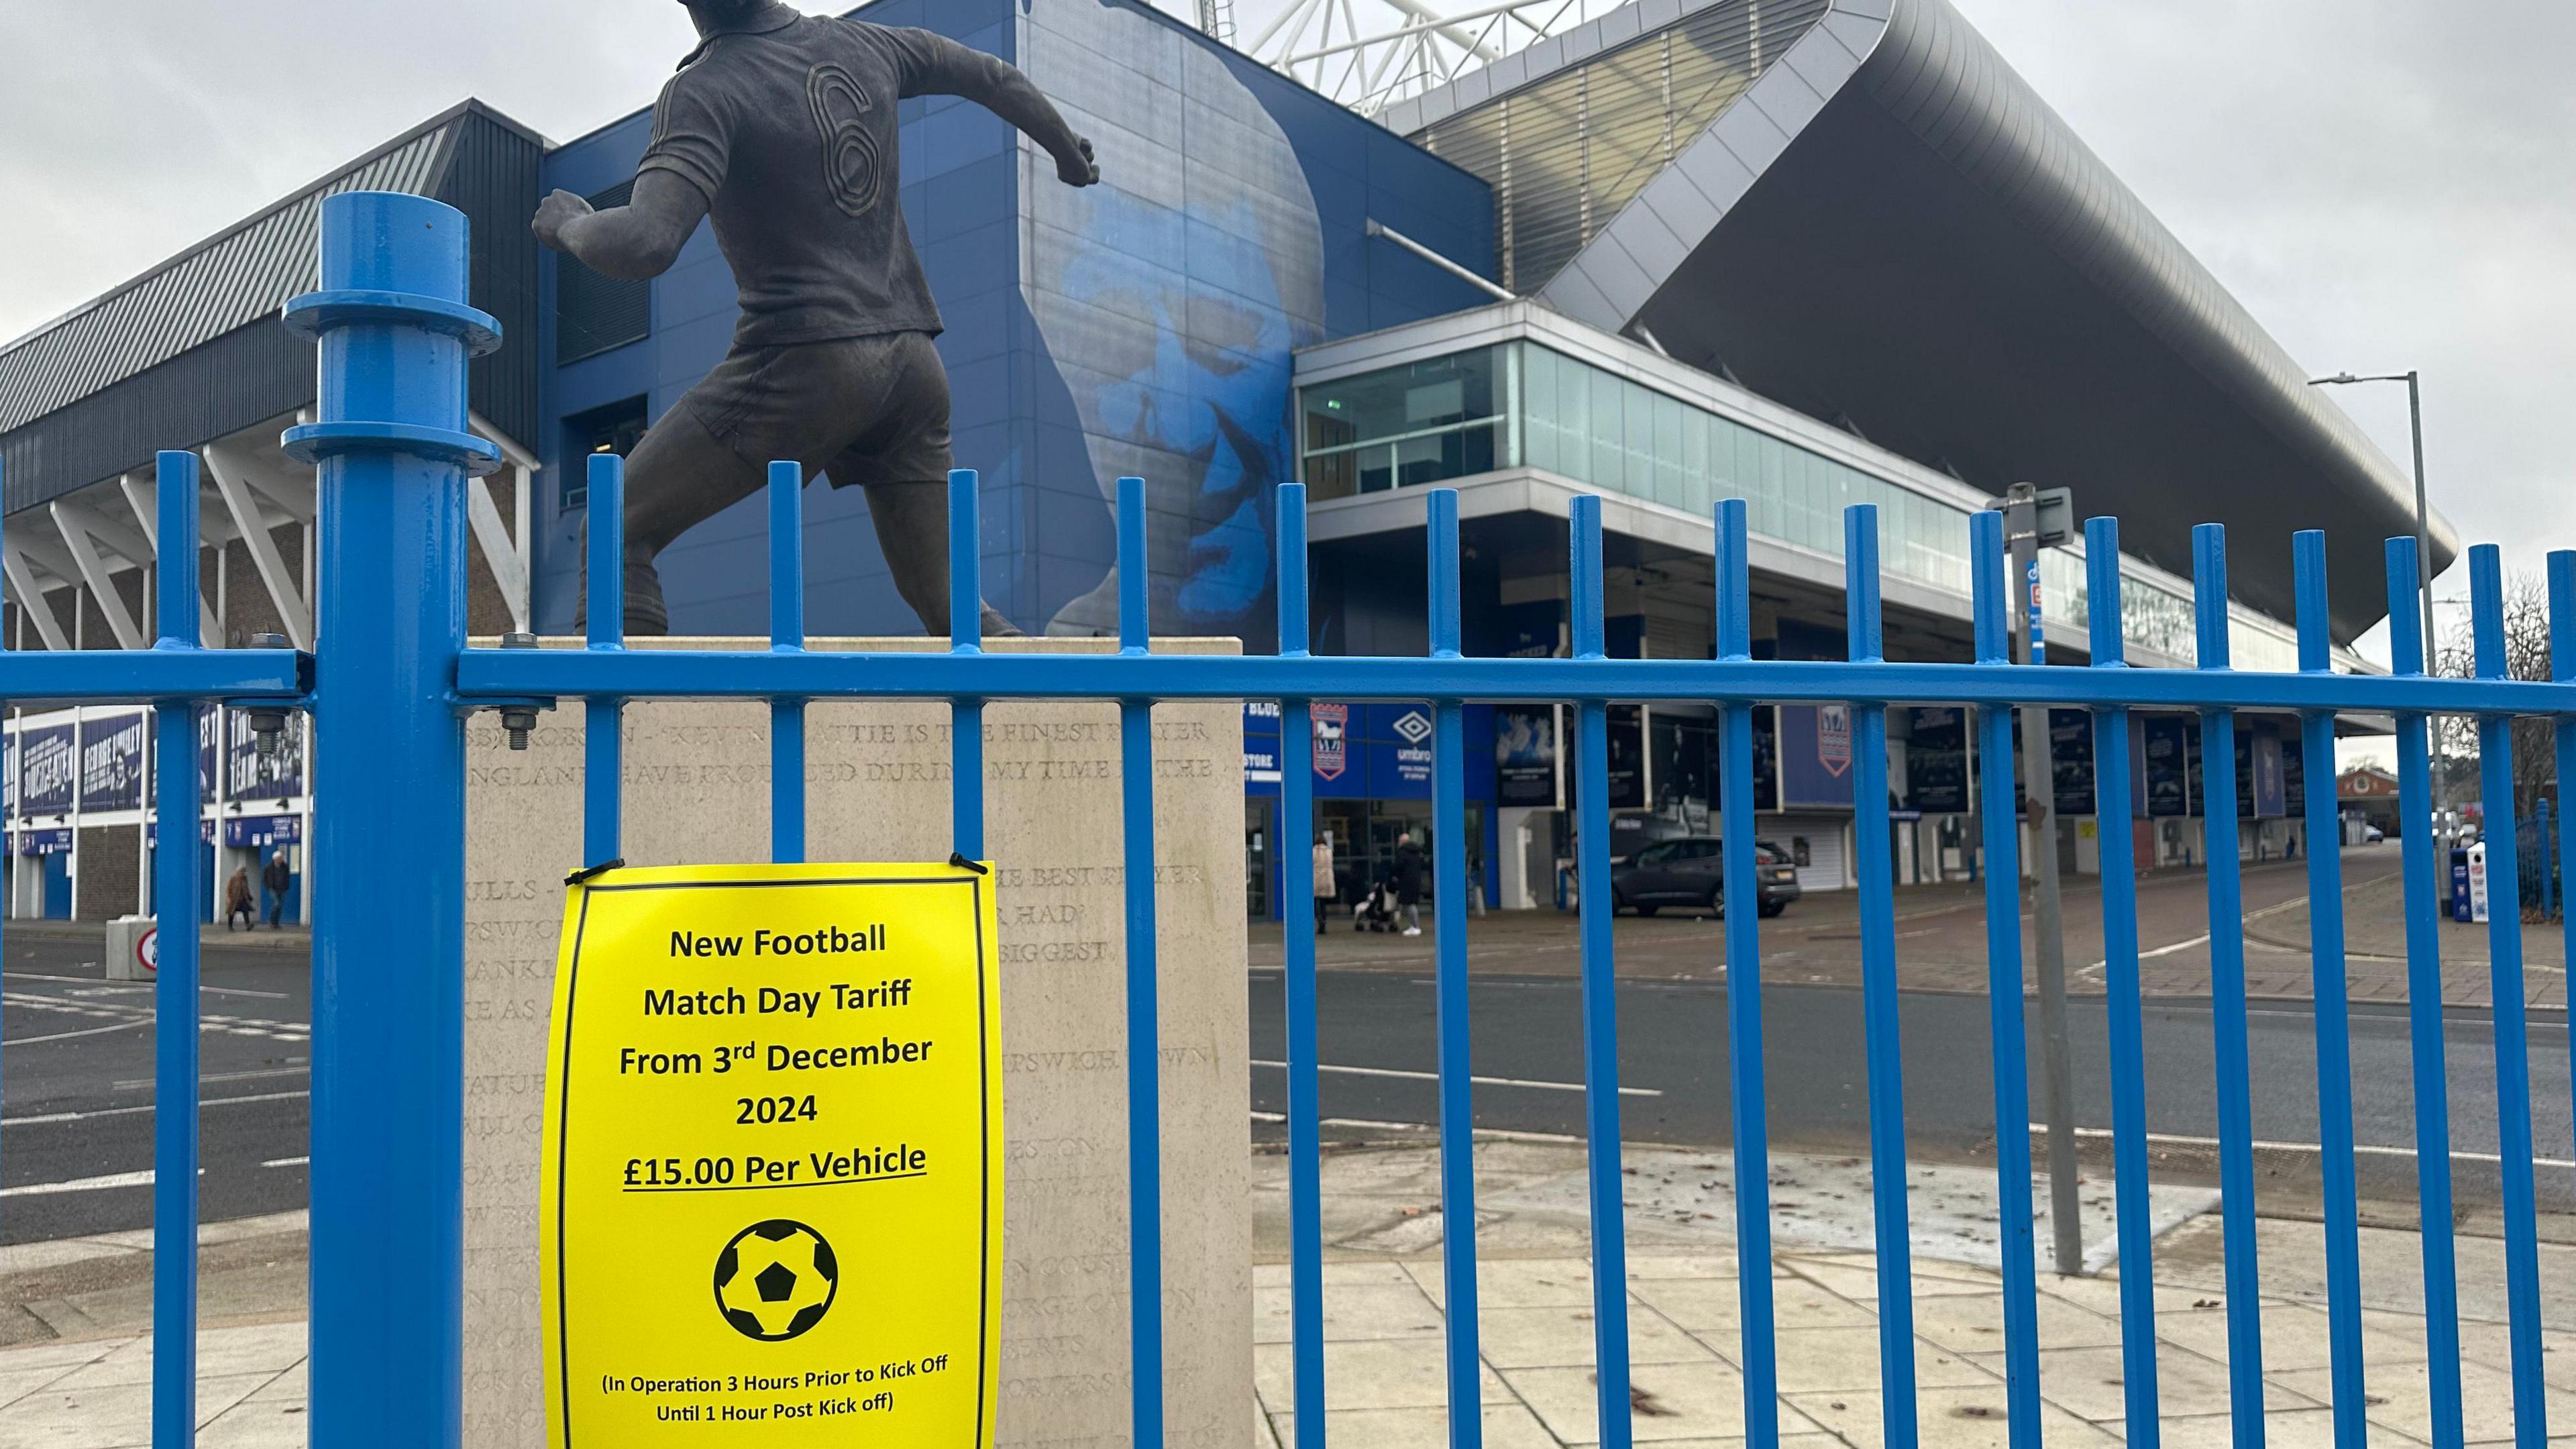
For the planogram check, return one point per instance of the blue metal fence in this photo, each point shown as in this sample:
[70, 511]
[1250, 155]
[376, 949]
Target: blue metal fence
[393, 677]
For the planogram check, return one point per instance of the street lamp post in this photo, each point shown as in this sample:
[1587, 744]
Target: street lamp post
[2423, 562]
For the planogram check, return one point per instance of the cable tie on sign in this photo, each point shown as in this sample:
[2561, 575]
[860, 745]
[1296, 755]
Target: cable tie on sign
[957, 861]
[589, 873]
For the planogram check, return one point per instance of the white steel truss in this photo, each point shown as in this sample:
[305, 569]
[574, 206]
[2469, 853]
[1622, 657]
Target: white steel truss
[1368, 54]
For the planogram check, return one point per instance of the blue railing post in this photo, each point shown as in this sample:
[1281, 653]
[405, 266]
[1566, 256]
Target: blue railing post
[603, 717]
[393, 452]
[1457, 1112]
[965, 636]
[2425, 1023]
[2333, 1010]
[2229, 1052]
[2004, 999]
[2512, 1032]
[787, 634]
[1600, 986]
[1882, 1026]
[176, 893]
[2115, 812]
[1757, 1344]
[1144, 987]
[1305, 1127]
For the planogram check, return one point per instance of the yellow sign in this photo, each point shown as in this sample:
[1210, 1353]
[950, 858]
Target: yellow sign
[773, 1159]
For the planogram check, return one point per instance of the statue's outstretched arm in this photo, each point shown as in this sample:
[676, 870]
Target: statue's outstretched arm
[635, 241]
[939, 66]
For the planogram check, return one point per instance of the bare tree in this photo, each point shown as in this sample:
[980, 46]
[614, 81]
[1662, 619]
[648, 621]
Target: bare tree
[2526, 656]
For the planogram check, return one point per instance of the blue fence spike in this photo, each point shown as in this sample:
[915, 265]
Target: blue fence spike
[787, 634]
[1600, 989]
[1305, 1125]
[2017, 1243]
[1457, 1111]
[2115, 807]
[2425, 1023]
[2501, 792]
[2229, 1050]
[1144, 1010]
[175, 987]
[604, 715]
[2332, 1011]
[1882, 1026]
[1758, 1344]
[965, 636]
[2562, 668]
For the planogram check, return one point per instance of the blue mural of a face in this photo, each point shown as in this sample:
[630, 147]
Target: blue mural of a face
[1170, 298]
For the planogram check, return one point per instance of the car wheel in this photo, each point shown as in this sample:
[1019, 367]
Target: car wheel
[1716, 906]
[1773, 908]
[1645, 910]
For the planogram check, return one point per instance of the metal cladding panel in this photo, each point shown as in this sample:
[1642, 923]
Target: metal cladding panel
[491, 176]
[242, 276]
[1933, 254]
[192, 351]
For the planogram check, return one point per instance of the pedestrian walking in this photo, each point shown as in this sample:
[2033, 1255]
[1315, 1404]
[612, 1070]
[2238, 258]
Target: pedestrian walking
[275, 877]
[237, 901]
[1407, 872]
[1326, 886]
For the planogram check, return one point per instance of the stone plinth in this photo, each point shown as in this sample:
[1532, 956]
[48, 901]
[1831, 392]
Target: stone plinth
[697, 790]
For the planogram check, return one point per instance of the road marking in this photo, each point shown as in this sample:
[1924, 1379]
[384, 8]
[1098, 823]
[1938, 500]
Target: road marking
[138, 1082]
[85, 1184]
[146, 1107]
[1501, 1134]
[21, 1041]
[1479, 1081]
[288, 1162]
[94, 981]
[2364, 1149]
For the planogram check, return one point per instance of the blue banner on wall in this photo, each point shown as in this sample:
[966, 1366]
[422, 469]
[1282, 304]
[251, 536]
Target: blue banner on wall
[48, 771]
[2168, 765]
[1525, 755]
[1261, 747]
[111, 762]
[1815, 756]
[1936, 760]
[258, 831]
[251, 775]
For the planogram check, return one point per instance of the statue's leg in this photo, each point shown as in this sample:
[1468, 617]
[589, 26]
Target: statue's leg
[902, 459]
[678, 477]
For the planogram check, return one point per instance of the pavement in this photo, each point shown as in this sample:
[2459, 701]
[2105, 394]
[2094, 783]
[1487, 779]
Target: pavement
[1941, 940]
[1384, 1323]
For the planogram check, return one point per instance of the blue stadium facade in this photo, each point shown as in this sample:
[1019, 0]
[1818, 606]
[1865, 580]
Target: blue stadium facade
[1804, 252]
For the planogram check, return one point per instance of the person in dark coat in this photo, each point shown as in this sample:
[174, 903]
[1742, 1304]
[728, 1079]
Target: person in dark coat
[275, 878]
[1407, 873]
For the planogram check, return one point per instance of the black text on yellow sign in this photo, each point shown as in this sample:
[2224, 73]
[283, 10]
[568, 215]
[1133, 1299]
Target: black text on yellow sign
[773, 1159]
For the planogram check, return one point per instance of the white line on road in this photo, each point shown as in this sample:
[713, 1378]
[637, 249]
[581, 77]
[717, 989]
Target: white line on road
[146, 1107]
[22, 1041]
[146, 986]
[288, 1162]
[2364, 1149]
[85, 1184]
[1503, 1134]
[1479, 1081]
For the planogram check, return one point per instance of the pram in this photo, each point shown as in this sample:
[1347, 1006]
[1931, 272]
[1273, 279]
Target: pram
[1376, 910]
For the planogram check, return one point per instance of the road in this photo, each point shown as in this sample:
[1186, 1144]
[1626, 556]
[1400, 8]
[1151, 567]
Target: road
[76, 1118]
[1673, 1044]
[76, 1088]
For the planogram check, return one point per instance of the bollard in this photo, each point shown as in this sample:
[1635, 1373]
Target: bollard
[393, 453]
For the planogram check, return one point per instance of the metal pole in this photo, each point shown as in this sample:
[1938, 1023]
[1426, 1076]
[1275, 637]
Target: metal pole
[393, 452]
[2039, 776]
[2432, 641]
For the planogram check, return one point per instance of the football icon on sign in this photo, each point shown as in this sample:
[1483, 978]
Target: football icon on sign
[775, 1280]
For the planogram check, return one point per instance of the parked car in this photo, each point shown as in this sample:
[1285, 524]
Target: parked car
[1689, 871]
[2371, 835]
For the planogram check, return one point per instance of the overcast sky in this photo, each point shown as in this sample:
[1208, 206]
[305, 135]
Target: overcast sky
[2386, 184]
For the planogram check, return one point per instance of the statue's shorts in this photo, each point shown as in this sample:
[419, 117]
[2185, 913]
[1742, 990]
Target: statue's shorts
[863, 409]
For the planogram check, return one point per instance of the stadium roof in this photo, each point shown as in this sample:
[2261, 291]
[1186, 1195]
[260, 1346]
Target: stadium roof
[1870, 217]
